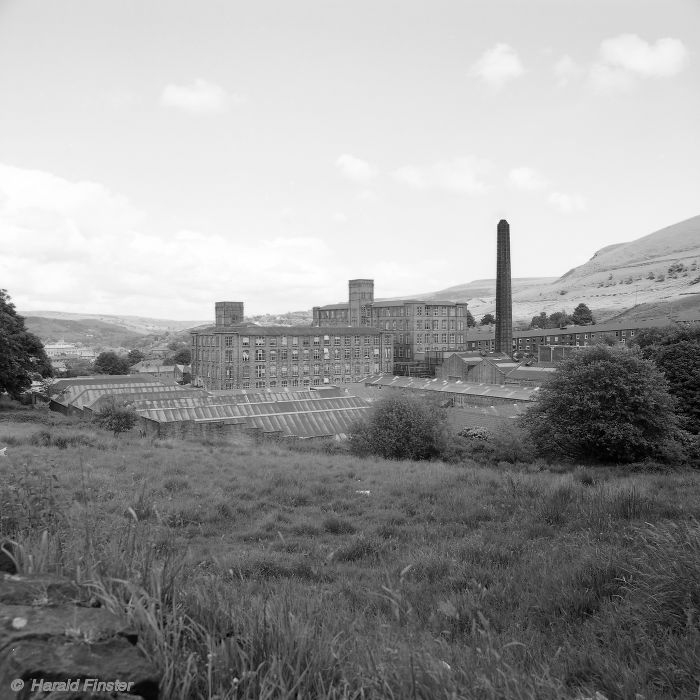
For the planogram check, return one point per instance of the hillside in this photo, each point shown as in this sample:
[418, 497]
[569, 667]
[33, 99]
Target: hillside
[131, 331]
[134, 324]
[482, 288]
[92, 333]
[659, 274]
[659, 271]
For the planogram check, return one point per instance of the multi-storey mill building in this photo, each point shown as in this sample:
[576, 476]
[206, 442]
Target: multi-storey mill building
[419, 326]
[235, 355]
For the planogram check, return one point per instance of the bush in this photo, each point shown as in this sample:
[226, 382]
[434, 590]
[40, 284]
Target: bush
[604, 404]
[118, 419]
[676, 352]
[111, 363]
[401, 427]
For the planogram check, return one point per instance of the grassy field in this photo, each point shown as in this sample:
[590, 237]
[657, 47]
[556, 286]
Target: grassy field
[260, 571]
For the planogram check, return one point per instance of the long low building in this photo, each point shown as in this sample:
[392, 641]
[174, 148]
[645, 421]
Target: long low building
[528, 341]
[311, 417]
[171, 410]
[457, 393]
[73, 399]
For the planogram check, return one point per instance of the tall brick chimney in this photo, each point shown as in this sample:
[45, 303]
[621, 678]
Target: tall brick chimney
[504, 298]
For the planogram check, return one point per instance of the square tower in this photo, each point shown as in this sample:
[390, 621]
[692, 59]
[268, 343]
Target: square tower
[361, 298]
[228, 313]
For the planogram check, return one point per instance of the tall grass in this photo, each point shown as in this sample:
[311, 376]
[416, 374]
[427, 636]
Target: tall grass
[253, 571]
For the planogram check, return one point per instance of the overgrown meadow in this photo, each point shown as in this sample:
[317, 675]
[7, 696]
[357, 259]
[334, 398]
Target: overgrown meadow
[277, 571]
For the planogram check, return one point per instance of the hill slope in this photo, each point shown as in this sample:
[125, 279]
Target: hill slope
[92, 333]
[135, 324]
[483, 288]
[658, 274]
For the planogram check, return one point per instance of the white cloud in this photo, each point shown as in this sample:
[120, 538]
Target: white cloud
[567, 203]
[566, 70]
[498, 65]
[355, 169]
[80, 247]
[460, 175]
[624, 59]
[368, 196]
[524, 178]
[201, 97]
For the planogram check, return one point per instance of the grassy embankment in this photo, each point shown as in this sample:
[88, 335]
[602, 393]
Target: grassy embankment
[264, 572]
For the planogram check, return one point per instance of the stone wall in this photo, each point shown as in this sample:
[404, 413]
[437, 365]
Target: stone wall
[53, 632]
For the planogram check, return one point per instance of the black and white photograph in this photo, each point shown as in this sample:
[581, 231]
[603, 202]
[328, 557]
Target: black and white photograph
[349, 350]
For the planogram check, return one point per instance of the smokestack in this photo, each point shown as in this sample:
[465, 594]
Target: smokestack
[504, 299]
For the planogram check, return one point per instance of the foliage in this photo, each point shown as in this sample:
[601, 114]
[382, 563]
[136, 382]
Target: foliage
[118, 419]
[676, 351]
[401, 427]
[603, 404]
[470, 320]
[582, 315]
[79, 367]
[134, 357]
[21, 352]
[487, 319]
[508, 445]
[608, 339]
[539, 321]
[109, 362]
[559, 319]
[181, 357]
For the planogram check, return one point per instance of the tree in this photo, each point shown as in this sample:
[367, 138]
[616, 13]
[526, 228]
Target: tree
[401, 427]
[558, 319]
[488, 318]
[134, 357]
[539, 321]
[21, 352]
[181, 357]
[111, 363]
[676, 352]
[79, 367]
[470, 320]
[605, 404]
[118, 419]
[582, 315]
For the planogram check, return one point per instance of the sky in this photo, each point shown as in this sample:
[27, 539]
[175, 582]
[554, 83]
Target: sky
[158, 156]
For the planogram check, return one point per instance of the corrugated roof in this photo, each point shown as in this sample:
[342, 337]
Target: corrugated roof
[310, 417]
[531, 373]
[146, 366]
[79, 395]
[150, 394]
[61, 384]
[441, 385]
